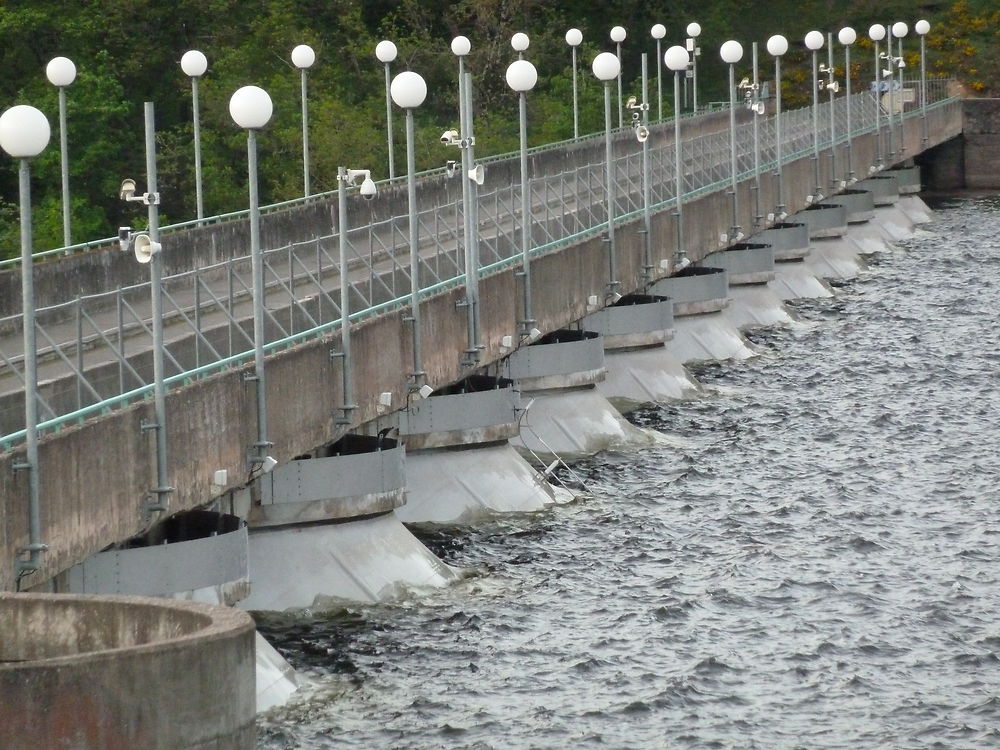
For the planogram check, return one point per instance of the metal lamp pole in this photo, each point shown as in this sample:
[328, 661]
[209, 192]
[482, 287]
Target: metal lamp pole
[574, 37]
[847, 36]
[677, 59]
[460, 47]
[194, 64]
[408, 90]
[814, 40]
[693, 32]
[877, 33]
[385, 51]
[658, 32]
[607, 67]
[303, 58]
[618, 36]
[900, 30]
[731, 53]
[521, 77]
[24, 133]
[61, 72]
[922, 27]
[777, 45]
[251, 109]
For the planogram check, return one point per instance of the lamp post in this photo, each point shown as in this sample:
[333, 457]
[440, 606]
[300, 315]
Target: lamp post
[877, 33]
[731, 53]
[385, 51]
[658, 32]
[521, 77]
[408, 91]
[814, 40]
[777, 46]
[693, 32]
[24, 133]
[345, 178]
[194, 64]
[303, 58]
[520, 43]
[460, 47]
[847, 36]
[606, 67]
[832, 87]
[61, 72]
[676, 58]
[147, 250]
[922, 27]
[251, 109]
[899, 30]
[574, 37]
[618, 36]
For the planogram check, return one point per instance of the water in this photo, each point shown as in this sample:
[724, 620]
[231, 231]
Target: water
[810, 561]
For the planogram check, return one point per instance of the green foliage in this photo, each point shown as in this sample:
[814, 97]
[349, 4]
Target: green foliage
[128, 52]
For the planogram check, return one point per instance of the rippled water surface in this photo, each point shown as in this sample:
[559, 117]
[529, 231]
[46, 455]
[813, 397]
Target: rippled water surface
[811, 560]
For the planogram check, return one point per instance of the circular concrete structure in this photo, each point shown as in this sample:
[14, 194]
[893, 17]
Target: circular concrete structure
[124, 671]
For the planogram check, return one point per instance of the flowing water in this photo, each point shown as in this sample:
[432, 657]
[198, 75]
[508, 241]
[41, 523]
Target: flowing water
[811, 560]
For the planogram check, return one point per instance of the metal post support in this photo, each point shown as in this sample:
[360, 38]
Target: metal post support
[923, 89]
[345, 291]
[815, 122]
[257, 269]
[756, 141]
[902, 102]
[609, 171]
[618, 46]
[576, 108]
[848, 147]
[528, 321]
[659, 82]
[678, 169]
[471, 272]
[388, 123]
[162, 488]
[305, 136]
[834, 180]
[35, 546]
[892, 94]
[779, 158]
[418, 375]
[734, 230]
[196, 116]
[878, 108]
[64, 166]
[647, 212]
[694, 78]
[473, 213]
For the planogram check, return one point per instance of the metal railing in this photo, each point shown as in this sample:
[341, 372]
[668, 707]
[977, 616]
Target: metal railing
[95, 351]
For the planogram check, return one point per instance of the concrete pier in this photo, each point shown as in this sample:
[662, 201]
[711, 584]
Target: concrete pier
[701, 330]
[460, 465]
[750, 268]
[793, 279]
[640, 369]
[565, 415]
[324, 530]
[124, 672]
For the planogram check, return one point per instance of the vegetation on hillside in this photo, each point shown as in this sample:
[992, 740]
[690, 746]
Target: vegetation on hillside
[128, 52]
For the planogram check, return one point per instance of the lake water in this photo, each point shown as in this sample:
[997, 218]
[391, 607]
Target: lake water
[811, 559]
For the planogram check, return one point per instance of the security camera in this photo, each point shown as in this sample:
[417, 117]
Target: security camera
[127, 190]
[449, 137]
[630, 103]
[368, 189]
